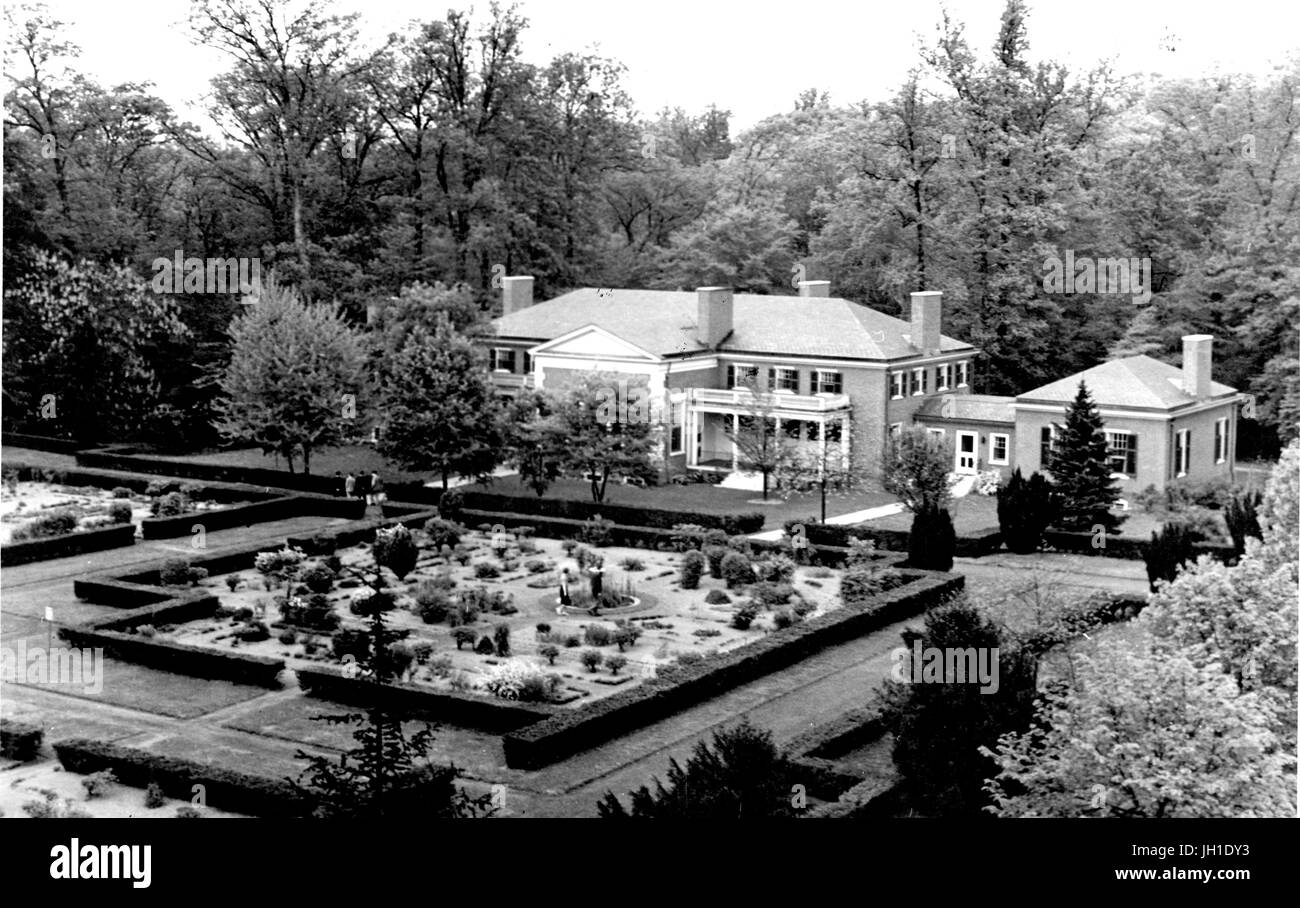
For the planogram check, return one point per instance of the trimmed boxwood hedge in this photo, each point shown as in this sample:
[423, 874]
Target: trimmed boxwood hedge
[237, 792]
[258, 512]
[971, 544]
[478, 712]
[682, 686]
[1122, 546]
[40, 442]
[180, 658]
[68, 544]
[20, 740]
[124, 459]
[624, 515]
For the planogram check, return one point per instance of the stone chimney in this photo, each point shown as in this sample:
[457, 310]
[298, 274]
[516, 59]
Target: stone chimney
[1196, 364]
[819, 289]
[516, 294]
[715, 308]
[927, 309]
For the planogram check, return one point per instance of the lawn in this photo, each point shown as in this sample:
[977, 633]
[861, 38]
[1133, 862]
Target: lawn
[355, 458]
[23, 502]
[969, 513]
[707, 499]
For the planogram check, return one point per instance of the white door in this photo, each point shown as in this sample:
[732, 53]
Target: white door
[966, 452]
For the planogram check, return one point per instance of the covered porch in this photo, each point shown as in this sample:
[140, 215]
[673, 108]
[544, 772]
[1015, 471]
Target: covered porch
[806, 432]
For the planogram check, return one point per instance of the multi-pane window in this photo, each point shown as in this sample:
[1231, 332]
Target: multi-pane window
[1122, 452]
[827, 382]
[792, 428]
[935, 434]
[740, 375]
[999, 448]
[677, 431]
[963, 373]
[897, 384]
[503, 359]
[834, 432]
[1182, 451]
[918, 381]
[943, 377]
[1220, 440]
[813, 431]
[784, 380]
[1046, 441]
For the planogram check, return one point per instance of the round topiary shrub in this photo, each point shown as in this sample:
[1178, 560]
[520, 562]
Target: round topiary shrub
[692, 569]
[318, 578]
[717, 597]
[736, 570]
[119, 512]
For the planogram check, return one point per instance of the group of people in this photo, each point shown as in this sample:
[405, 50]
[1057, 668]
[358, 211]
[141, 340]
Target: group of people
[370, 487]
[597, 576]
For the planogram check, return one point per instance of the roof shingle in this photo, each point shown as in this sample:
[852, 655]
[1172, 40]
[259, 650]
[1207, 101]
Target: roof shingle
[1135, 381]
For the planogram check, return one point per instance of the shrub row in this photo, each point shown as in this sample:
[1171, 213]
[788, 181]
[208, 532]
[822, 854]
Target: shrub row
[682, 686]
[876, 798]
[567, 528]
[326, 542]
[179, 658]
[19, 740]
[1117, 546]
[624, 515]
[171, 611]
[67, 545]
[257, 512]
[1100, 609]
[971, 544]
[39, 442]
[124, 459]
[238, 792]
[846, 732]
[467, 711]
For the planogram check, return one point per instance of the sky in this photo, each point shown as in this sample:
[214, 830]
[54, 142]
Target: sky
[752, 58]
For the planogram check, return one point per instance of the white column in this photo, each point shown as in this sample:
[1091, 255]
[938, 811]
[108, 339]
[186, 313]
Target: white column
[844, 443]
[821, 443]
[735, 451]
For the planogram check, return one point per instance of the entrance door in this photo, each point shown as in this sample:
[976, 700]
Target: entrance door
[966, 452]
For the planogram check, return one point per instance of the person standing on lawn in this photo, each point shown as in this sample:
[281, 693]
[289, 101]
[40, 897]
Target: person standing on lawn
[376, 487]
[339, 487]
[349, 485]
[363, 487]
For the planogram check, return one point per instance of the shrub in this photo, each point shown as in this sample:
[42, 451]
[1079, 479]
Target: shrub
[632, 564]
[550, 652]
[716, 597]
[568, 546]
[1201, 524]
[572, 640]
[597, 635]
[318, 578]
[119, 512]
[283, 563]
[1241, 516]
[186, 812]
[592, 659]
[521, 681]
[536, 566]
[744, 617]
[450, 504]
[253, 633]
[233, 581]
[1213, 493]
[367, 604]
[859, 583]
[689, 658]
[615, 662]
[486, 570]
[784, 618]
[715, 554]
[422, 650]
[501, 639]
[288, 636]
[626, 634]
[687, 536]
[51, 523]
[596, 532]
[121, 492]
[177, 572]
[463, 635]
[933, 541]
[98, 782]
[244, 613]
[314, 611]
[736, 570]
[862, 553]
[354, 643]
[707, 632]
[775, 569]
[396, 550]
[1170, 548]
[484, 647]
[401, 656]
[543, 628]
[1026, 508]
[525, 546]
[153, 796]
[443, 532]
[770, 594]
[510, 565]
[433, 606]
[20, 741]
[441, 666]
[169, 505]
[146, 630]
[803, 607]
[692, 568]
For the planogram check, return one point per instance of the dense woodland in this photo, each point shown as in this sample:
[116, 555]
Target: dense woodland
[441, 157]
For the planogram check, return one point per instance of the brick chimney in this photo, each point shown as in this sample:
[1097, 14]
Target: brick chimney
[516, 294]
[927, 309]
[715, 308]
[1196, 364]
[815, 288]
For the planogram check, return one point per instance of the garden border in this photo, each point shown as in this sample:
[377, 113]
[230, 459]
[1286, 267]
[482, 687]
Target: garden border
[67, 545]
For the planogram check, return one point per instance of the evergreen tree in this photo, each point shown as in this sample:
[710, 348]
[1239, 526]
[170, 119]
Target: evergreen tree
[1026, 508]
[1080, 471]
[741, 777]
[439, 406]
[933, 540]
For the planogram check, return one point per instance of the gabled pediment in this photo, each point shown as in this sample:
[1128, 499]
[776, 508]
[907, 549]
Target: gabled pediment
[593, 342]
